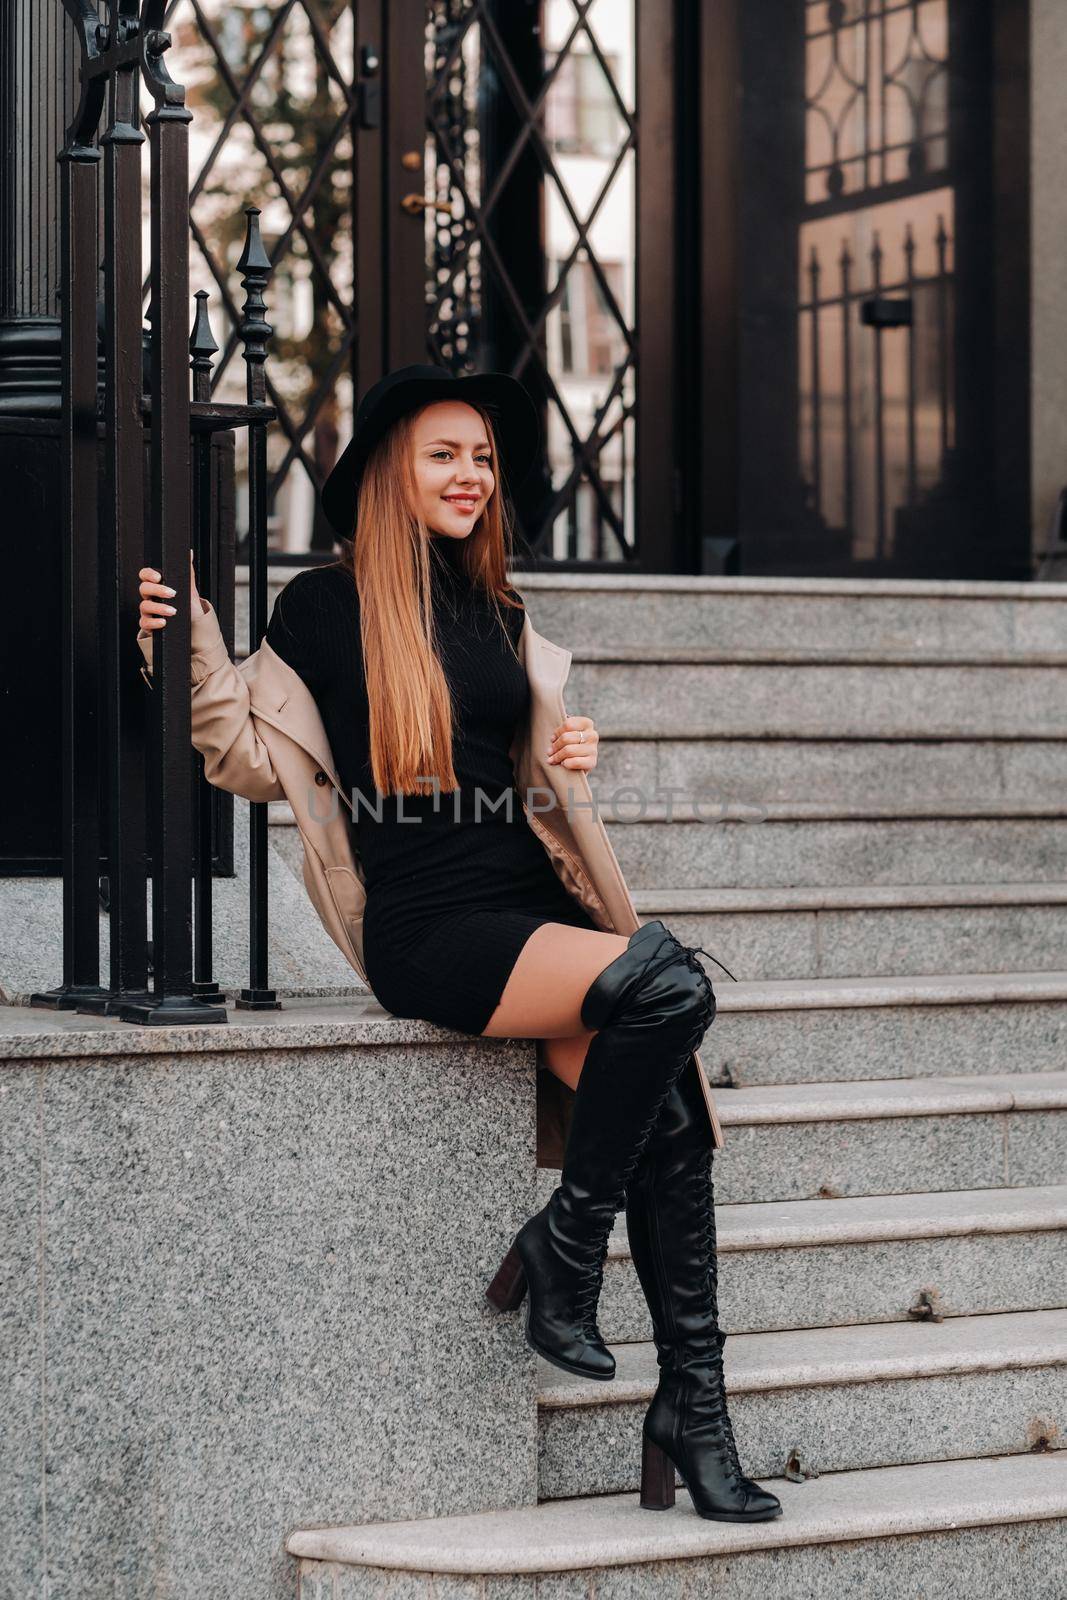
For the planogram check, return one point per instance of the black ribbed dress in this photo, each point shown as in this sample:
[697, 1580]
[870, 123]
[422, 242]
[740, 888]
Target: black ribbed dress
[454, 887]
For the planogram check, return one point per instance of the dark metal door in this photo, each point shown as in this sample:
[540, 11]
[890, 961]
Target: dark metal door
[511, 216]
[483, 183]
[879, 370]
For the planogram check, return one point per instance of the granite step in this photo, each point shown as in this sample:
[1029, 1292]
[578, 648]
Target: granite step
[856, 771]
[796, 612]
[809, 1141]
[695, 692]
[727, 844]
[879, 1394]
[721, 844]
[845, 930]
[889, 613]
[869, 1258]
[935, 1529]
[800, 1030]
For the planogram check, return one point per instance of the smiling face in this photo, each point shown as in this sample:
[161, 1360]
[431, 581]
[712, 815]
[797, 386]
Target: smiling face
[454, 468]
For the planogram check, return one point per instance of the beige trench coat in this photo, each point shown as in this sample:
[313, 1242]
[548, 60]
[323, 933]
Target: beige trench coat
[259, 730]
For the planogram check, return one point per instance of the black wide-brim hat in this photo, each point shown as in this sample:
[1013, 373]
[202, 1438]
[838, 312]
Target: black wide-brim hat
[516, 426]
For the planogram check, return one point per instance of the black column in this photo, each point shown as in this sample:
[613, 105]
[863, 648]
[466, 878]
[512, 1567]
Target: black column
[38, 96]
[38, 75]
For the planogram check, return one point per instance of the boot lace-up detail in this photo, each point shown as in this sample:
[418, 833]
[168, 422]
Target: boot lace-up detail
[589, 1288]
[708, 1247]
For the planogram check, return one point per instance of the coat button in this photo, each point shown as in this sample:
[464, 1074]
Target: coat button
[321, 778]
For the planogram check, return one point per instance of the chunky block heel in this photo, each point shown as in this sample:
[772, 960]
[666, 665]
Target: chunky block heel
[508, 1288]
[657, 1477]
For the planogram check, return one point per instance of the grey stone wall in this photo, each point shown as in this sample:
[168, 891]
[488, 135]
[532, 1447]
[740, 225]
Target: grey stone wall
[242, 1291]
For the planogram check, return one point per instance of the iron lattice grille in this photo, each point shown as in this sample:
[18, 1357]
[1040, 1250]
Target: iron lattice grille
[271, 90]
[531, 150]
[875, 300]
[529, 266]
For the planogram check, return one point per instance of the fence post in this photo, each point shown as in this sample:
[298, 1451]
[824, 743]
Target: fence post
[122, 711]
[202, 347]
[168, 546]
[255, 330]
[78, 163]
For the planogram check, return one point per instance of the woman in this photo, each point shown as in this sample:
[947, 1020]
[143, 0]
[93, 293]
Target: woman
[408, 644]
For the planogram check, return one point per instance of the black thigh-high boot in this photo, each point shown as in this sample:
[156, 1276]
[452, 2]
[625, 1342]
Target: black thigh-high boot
[651, 1006]
[670, 1219]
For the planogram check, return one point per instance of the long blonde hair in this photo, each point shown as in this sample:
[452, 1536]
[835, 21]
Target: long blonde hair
[389, 557]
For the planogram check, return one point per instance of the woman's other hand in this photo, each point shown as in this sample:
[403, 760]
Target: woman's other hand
[155, 597]
[574, 744]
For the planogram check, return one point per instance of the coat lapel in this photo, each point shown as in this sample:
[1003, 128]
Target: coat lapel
[279, 695]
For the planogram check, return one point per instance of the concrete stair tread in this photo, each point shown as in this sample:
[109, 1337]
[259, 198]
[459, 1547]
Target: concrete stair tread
[914, 989]
[893, 1097]
[845, 897]
[715, 809]
[623, 582]
[814, 1357]
[612, 1530]
[866, 1219]
[883, 655]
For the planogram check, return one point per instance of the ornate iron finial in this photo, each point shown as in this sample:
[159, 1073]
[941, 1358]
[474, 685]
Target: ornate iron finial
[255, 269]
[202, 346]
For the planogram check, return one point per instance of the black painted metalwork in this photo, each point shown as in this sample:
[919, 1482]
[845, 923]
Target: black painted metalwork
[187, 495]
[81, 656]
[460, 116]
[202, 347]
[307, 170]
[498, 105]
[168, 543]
[39, 54]
[255, 268]
[122, 547]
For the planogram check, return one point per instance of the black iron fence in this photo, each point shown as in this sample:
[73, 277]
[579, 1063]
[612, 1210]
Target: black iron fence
[877, 404]
[148, 475]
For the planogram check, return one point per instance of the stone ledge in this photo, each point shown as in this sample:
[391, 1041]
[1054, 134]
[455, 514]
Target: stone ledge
[921, 989]
[709, 655]
[30, 1032]
[895, 1097]
[847, 897]
[623, 582]
[712, 810]
[613, 1531]
[872, 1219]
[813, 1358]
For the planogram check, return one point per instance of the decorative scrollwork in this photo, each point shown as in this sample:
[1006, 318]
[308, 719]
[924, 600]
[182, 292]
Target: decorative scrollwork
[168, 95]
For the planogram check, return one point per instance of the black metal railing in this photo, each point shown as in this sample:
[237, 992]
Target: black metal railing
[872, 429]
[146, 477]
